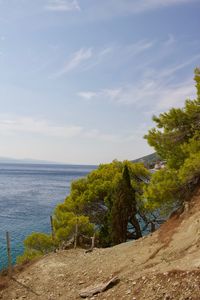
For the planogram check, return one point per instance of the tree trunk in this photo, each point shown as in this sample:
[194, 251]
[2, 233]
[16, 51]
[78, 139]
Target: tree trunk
[136, 225]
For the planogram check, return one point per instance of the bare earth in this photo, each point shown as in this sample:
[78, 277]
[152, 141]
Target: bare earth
[164, 265]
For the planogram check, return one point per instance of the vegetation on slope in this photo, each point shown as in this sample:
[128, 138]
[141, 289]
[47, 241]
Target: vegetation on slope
[96, 201]
[148, 160]
[113, 199]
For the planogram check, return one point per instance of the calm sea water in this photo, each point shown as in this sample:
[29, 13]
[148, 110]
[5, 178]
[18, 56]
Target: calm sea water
[28, 196]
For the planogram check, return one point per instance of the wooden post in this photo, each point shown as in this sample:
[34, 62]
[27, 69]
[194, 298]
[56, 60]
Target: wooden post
[52, 228]
[153, 227]
[9, 254]
[76, 234]
[93, 240]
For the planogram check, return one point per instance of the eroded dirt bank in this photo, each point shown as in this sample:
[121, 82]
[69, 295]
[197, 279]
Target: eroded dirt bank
[164, 265]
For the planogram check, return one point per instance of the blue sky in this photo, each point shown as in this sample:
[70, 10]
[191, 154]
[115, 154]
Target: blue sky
[81, 79]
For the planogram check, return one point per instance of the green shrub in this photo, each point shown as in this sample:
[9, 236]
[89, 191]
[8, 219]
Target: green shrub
[28, 255]
[40, 242]
[36, 245]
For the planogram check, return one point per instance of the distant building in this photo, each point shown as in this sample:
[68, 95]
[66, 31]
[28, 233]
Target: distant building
[158, 166]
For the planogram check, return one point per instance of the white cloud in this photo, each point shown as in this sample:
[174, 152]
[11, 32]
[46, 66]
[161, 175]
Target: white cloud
[87, 95]
[62, 5]
[105, 51]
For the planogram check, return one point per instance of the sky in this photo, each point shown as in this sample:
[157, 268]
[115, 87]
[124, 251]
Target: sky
[81, 79]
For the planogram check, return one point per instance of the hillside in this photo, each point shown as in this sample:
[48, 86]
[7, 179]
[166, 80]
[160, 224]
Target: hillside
[149, 160]
[164, 265]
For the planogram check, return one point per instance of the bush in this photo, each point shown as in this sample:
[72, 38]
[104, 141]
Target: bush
[28, 255]
[36, 245]
[40, 242]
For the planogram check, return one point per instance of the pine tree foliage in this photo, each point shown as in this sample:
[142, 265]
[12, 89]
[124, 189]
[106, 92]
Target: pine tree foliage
[176, 138]
[92, 199]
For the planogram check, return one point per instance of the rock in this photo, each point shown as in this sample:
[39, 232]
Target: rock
[93, 290]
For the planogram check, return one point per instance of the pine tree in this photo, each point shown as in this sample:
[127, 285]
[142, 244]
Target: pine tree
[176, 138]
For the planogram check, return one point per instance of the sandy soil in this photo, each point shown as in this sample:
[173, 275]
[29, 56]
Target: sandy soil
[164, 265]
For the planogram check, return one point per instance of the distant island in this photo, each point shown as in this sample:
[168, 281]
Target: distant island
[8, 160]
[148, 159]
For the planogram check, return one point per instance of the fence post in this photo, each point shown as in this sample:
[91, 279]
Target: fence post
[9, 254]
[76, 234]
[93, 240]
[52, 228]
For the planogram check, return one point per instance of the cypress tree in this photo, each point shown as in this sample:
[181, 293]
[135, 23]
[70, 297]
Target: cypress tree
[124, 208]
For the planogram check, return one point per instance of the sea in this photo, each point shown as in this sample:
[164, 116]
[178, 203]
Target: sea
[28, 196]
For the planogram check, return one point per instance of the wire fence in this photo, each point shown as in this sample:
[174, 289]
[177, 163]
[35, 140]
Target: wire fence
[11, 246]
[13, 243]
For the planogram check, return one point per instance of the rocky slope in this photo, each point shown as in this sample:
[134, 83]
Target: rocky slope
[164, 265]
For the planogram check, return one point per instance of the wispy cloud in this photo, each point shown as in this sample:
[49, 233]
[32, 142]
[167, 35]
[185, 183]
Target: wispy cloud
[83, 59]
[155, 85]
[77, 59]
[171, 40]
[153, 93]
[138, 47]
[9, 126]
[124, 95]
[110, 8]
[174, 96]
[95, 134]
[173, 69]
[62, 5]
[144, 5]
[87, 58]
